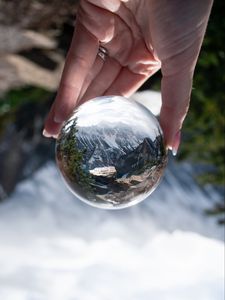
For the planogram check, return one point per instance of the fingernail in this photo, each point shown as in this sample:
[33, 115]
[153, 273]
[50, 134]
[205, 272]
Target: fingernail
[176, 143]
[46, 134]
[174, 152]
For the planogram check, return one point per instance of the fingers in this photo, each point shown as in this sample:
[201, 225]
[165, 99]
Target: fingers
[93, 73]
[176, 90]
[51, 127]
[103, 80]
[141, 64]
[127, 82]
[79, 61]
[114, 79]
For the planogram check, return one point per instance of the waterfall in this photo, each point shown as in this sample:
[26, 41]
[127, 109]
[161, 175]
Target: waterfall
[53, 246]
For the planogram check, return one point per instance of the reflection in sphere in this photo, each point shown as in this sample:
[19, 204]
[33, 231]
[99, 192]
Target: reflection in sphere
[111, 152]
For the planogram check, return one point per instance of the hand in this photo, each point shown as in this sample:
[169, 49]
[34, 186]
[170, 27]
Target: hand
[141, 37]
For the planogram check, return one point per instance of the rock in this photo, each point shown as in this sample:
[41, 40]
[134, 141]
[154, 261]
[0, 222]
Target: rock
[104, 171]
[40, 76]
[13, 40]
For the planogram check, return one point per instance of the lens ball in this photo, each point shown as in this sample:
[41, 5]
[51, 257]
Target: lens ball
[111, 152]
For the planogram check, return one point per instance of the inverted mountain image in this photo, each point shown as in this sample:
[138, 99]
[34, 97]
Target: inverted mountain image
[111, 163]
[105, 145]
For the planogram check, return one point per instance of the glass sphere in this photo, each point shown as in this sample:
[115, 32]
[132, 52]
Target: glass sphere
[111, 152]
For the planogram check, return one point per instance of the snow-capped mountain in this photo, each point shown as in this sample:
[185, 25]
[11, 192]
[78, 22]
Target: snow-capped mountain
[109, 145]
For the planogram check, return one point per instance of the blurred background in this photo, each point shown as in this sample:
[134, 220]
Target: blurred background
[52, 246]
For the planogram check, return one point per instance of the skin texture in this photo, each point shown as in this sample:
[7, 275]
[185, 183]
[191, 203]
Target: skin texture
[141, 37]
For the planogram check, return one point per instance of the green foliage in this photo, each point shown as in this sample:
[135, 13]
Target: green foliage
[15, 98]
[204, 126]
[73, 157]
[14, 102]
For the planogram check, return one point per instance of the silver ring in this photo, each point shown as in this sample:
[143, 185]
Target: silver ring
[102, 53]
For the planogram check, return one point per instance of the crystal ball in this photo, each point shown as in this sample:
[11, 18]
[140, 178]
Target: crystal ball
[111, 152]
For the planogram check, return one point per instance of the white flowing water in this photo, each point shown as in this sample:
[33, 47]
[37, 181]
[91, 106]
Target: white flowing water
[54, 247]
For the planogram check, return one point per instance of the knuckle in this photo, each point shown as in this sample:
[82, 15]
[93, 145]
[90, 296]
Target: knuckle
[99, 24]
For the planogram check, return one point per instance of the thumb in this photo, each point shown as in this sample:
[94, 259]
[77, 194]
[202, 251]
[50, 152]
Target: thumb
[176, 90]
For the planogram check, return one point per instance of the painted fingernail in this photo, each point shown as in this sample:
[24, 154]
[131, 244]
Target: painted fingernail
[174, 152]
[176, 143]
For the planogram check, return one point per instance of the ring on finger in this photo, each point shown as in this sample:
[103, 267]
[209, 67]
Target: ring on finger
[102, 53]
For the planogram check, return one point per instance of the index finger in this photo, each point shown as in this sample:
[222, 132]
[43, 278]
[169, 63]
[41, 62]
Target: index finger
[80, 58]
